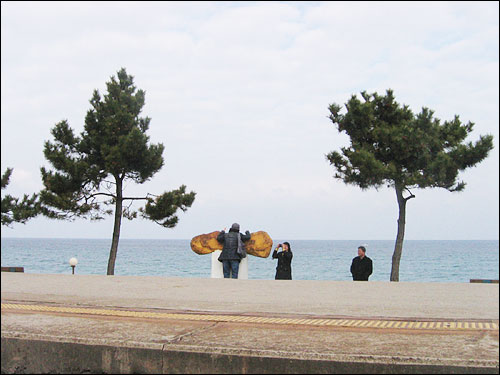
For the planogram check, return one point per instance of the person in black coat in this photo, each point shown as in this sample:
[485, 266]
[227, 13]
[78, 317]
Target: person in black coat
[229, 256]
[362, 266]
[284, 267]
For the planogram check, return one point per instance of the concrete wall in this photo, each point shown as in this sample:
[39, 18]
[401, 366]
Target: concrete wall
[23, 356]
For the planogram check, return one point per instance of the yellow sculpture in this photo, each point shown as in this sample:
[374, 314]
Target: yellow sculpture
[259, 245]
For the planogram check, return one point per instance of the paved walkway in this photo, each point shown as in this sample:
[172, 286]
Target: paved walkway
[331, 298]
[399, 324]
[452, 325]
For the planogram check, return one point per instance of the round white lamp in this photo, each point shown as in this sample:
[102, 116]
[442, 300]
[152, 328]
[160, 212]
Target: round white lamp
[73, 262]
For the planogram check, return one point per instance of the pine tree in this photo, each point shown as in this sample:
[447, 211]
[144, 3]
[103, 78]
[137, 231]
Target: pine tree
[112, 149]
[391, 145]
[15, 211]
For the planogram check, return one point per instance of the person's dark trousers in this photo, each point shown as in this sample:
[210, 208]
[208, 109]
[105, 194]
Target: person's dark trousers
[228, 266]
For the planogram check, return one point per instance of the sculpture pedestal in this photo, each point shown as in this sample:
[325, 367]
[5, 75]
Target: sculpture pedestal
[217, 272]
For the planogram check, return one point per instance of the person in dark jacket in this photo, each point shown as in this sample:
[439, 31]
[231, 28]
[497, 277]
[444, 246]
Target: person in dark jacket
[229, 256]
[284, 267]
[362, 266]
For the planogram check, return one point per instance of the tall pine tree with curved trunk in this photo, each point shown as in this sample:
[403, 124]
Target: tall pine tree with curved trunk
[391, 145]
[90, 170]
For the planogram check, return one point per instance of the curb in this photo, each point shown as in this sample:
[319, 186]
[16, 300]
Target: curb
[20, 355]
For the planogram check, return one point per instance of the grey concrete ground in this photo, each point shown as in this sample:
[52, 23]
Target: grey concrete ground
[177, 346]
[339, 298]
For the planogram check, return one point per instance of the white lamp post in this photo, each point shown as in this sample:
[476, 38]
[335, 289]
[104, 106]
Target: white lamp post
[73, 262]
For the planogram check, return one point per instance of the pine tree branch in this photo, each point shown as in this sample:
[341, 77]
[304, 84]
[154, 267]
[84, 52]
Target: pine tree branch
[411, 195]
[96, 194]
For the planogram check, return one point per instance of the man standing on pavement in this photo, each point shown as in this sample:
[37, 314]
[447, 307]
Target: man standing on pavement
[362, 266]
[229, 256]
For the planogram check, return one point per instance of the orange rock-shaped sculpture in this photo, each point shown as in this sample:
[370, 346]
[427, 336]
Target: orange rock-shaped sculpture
[259, 245]
[206, 243]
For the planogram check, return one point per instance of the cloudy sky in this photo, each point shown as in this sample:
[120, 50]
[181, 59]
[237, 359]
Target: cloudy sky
[238, 94]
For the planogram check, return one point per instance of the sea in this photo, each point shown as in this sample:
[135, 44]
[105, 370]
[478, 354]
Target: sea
[421, 260]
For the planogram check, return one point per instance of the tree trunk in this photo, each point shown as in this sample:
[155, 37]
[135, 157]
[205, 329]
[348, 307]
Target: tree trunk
[116, 229]
[398, 248]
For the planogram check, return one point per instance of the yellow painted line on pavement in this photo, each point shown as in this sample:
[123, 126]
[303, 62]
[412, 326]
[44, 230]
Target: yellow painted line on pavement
[338, 322]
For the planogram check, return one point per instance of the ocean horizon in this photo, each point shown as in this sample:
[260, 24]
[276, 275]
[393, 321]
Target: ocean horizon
[421, 261]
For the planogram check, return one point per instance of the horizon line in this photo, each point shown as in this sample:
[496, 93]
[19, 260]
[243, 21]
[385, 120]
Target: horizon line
[188, 239]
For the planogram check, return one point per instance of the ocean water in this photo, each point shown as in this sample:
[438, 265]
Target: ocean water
[421, 261]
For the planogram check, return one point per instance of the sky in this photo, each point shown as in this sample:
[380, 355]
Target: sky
[238, 93]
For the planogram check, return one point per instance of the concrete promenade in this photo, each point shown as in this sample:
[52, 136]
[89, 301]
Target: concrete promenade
[138, 324]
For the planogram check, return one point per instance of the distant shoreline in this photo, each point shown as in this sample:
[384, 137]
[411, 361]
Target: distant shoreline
[189, 239]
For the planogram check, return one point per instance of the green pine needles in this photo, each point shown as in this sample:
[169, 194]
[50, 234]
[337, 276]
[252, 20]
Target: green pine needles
[392, 145]
[90, 169]
[15, 210]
